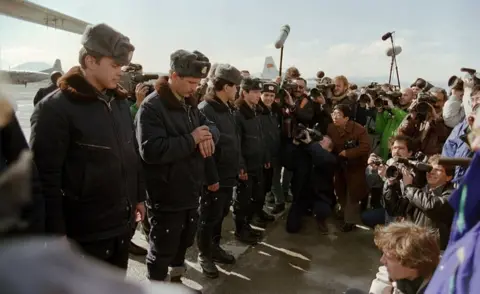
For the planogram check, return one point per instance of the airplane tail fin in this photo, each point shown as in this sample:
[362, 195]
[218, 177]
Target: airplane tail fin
[57, 66]
[270, 70]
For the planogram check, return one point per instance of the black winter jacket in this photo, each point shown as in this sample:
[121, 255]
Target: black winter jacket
[87, 159]
[223, 166]
[254, 154]
[425, 207]
[173, 165]
[271, 119]
[12, 143]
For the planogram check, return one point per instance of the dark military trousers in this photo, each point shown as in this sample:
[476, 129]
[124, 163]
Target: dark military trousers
[214, 207]
[171, 234]
[113, 251]
[249, 199]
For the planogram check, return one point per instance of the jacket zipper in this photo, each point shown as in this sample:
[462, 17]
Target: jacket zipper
[120, 149]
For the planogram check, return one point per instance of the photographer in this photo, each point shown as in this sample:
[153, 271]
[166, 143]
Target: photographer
[352, 145]
[453, 110]
[424, 125]
[427, 206]
[321, 116]
[389, 117]
[143, 90]
[313, 168]
[401, 148]
[340, 92]
[457, 143]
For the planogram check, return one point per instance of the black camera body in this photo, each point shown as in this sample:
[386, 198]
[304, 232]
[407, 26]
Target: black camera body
[425, 101]
[418, 164]
[383, 97]
[350, 144]
[315, 133]
[132, 76]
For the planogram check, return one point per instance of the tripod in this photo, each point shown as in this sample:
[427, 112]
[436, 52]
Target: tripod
[394, 61]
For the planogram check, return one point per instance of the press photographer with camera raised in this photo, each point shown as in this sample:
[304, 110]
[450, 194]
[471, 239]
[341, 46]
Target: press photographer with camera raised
[424, 125]
[352, 145]
[457, 144]
[389, 117]
[313, 168]
[401, 147]
[427, 206]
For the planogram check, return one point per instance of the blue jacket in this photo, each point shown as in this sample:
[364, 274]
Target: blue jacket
[455, 146]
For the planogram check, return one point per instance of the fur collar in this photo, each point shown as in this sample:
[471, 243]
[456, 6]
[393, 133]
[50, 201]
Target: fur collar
[218, 104]
[247, 111]
[74, 84]
[171, 101]
[275, 109]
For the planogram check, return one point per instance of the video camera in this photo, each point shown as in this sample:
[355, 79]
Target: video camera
[302, 131]
[418, 164]
[425, 102]
[325, 87]
[285, 86]
[383, 98]
[471, 77]
[133, 75]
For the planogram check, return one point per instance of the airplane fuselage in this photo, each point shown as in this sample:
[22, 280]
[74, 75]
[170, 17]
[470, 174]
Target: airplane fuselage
[22, 77]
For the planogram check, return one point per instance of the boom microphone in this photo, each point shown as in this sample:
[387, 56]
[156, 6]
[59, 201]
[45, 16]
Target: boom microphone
[284, 31]
[386, 36]
[458, 161]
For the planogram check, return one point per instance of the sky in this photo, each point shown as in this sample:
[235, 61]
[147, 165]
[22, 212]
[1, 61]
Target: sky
[336, 36]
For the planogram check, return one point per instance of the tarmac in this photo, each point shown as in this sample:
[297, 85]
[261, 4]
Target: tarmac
[307, 262]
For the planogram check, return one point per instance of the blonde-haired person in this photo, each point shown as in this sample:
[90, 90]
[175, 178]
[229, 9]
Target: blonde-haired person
[410, 255]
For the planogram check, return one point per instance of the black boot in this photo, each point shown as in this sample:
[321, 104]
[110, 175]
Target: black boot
[221, 256]
[245, 236]
[134, 249]
[209, 269]
[346, 227]
[258, 222]
[266, 216]
[257, 233]
[279, 208]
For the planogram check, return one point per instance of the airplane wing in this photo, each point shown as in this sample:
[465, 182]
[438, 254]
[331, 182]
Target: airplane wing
[28, 11]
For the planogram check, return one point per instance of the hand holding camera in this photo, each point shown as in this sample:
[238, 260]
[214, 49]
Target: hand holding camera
[141, 91]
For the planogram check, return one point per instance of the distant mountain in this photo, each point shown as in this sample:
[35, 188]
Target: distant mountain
[33, 66]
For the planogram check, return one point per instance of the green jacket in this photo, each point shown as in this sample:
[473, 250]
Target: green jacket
[387, 122]
[133, 110]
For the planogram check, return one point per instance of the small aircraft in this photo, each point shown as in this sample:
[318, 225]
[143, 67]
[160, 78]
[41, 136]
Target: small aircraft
[23, 77]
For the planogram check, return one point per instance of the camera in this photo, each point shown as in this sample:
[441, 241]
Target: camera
[315, 133]
[418, 164]
[133, 75]
[425, 101]
[285, 86]
[350, 144]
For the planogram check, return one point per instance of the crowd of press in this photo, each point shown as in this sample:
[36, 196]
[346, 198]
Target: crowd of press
[176, 154]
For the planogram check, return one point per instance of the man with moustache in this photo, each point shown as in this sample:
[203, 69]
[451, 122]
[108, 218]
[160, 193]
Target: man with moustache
[175, 138]
[82, 138]
[221, 169]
